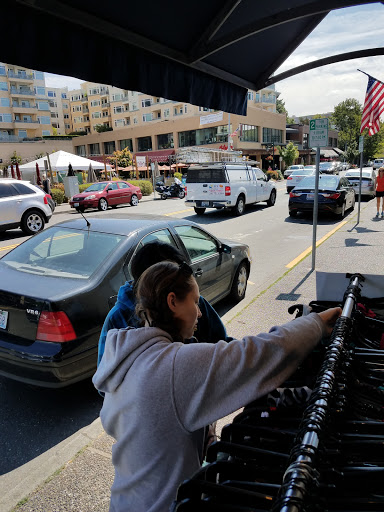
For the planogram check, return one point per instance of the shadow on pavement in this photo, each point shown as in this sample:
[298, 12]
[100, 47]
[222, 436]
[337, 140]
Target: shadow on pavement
[36, 419]
[292, 296]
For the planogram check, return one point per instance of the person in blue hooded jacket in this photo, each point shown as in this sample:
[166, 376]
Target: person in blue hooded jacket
[210, 328]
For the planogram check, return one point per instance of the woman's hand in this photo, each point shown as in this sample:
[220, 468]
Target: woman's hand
[329, 318]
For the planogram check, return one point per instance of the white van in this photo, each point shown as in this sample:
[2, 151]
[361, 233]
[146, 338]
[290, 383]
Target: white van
[227, 185]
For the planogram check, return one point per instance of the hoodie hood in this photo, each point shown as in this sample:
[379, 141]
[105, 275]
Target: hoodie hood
[122, 348]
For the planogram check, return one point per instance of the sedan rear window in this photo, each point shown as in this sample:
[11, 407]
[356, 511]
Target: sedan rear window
[325, 182]
[62, 252]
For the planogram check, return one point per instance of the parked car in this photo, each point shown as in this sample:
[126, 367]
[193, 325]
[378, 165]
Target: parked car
[292, 168]
[313, 167]
[23, 205]
[336, 195]
[57, 288]
[106, 193]
[329, 168]
[296, 176]
[227, 185]
[379, 162]
[367, 181]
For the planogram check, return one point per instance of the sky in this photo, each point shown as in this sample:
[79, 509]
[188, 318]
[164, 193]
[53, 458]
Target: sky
[320, 90]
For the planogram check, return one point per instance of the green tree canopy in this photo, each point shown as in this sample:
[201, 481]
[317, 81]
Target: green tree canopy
[102, 128]
[123, 158]
[289, 153]
[15, 158]
[280, 109]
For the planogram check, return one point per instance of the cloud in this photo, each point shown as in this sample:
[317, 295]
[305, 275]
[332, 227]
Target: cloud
[60, 81]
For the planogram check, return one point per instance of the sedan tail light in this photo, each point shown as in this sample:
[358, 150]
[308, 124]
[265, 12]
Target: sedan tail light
[289, 178]
[185, 190]
[331, 196]
[294, 194]
[55, 326]
[227, 191]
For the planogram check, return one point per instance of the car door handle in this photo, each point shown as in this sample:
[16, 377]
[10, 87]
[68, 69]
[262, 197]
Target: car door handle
[19, 201]
[199, 272]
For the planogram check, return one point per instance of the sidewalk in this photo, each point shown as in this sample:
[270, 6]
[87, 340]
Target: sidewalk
[76, 475]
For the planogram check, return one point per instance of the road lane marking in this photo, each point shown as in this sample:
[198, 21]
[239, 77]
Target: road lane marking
[309, 250]
[176, 213]
[8, 247]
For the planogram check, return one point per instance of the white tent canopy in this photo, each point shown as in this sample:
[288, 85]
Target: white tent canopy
[59, 163]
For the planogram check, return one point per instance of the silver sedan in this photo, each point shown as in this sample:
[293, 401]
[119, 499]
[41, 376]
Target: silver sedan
[367, 181]
[297, 176]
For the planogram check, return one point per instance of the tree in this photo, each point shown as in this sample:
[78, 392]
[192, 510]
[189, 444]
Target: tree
[373, 145]
[123, 158]
[15, 158]
[54, 131]
[351, 152]
[304, 120]
[280, 109]
[102, 128]
[289, 153]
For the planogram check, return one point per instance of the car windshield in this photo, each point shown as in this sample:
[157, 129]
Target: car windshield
[326, 165]
[96, 187]
[63, 252]
[356, 174]
[293, 167]
[325, 182]
[302, 172]
[310, 167]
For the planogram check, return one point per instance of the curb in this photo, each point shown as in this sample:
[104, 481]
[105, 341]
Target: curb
[21, 482]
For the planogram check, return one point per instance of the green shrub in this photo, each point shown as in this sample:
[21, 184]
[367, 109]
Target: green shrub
[57, 195]
[146, 186]
[276, 175]
[178, 175]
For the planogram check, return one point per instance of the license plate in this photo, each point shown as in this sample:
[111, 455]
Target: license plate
[204, 203]
[3, 319]
[310, 196]
[75, 205]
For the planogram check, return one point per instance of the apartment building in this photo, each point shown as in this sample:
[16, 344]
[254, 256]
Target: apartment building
[59, 106]
[156, 127]
[24, 107]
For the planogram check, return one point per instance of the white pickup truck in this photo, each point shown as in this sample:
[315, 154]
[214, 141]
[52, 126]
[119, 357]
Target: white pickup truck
[227, 185]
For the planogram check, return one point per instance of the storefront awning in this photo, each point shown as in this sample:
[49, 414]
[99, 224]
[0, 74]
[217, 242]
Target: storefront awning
[157, 156]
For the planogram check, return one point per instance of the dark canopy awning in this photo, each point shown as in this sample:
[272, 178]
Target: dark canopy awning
[205, 52]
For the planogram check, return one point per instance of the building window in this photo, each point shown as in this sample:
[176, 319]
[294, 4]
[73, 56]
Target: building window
[118, 110]
[77, 97]
[78, 119]
[39, 75]
[94, 91]
[165, 141]
[126, 143]
[4, 102]
[52, 104]
[119, 122]
[147, 117]
[146, 103]
[51, 94]
[45, 133]
[257, 98]
[2, 71]
[42, 105]
[249, 133]
[185, 109]
[55, 125]
[5, 118]
[105, 113]
[204, 136]
[96, 115]
[64, 95]
[178, 111]
[94, 149]
[3, 86]
[109, 147]
[272, 135]
[80, 151]
[144, 144]
[66, 116]
[54, 115]
[67, 126]
[23, 133]
[166, 112]
[205, 109]
[40, 91]
[76, 108]
[95, 103]
[135, 120]
[44, 120]
[250, 95]
[65, 105]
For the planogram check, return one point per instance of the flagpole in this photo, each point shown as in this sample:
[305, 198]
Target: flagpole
[364, 73]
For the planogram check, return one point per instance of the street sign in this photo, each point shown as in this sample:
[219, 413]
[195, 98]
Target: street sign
[361, 143]
[318, 133]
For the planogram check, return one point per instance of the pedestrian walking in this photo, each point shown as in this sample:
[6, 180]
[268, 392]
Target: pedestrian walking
[380, 191]
[160, 392]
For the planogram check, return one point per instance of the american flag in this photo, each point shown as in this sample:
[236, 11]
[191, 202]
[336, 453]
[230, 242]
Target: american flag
[373, 106]
[235, 132]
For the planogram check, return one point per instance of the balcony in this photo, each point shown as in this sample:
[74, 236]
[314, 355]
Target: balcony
[26, 123]
[105, 105]
[7, 125]
[18, 109]
[24, 76]
[22, 92]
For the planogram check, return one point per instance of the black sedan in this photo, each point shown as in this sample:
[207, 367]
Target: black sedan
[57, 288]
[336, 195]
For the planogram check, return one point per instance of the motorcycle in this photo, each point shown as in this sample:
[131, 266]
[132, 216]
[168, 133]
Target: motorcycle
[175, 190]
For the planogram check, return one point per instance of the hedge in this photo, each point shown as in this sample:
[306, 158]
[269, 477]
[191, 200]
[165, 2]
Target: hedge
[57, 195]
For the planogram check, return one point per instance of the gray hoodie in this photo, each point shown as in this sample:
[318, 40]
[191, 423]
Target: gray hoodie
[160, 395]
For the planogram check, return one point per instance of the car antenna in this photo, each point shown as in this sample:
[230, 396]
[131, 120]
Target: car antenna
[86, 220]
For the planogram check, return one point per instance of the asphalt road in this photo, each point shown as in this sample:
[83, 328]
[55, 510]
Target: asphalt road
[33, 420]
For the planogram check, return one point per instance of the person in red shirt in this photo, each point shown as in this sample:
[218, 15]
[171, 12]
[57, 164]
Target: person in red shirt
[380, 191]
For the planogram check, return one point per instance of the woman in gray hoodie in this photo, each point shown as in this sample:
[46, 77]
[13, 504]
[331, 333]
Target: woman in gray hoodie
[161, 393]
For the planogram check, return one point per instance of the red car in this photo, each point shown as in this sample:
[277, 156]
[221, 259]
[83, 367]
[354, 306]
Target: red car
[106, 193]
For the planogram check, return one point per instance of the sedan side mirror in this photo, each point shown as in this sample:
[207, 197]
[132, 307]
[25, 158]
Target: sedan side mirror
[225, 248]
